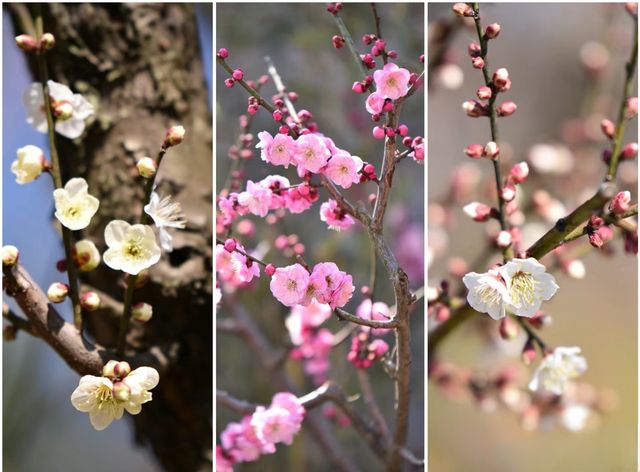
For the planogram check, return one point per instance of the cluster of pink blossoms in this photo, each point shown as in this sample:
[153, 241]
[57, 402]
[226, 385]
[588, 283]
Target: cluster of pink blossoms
[259, 433]
[365, 349]
[294, 285]
[312, 343]
[233, 267]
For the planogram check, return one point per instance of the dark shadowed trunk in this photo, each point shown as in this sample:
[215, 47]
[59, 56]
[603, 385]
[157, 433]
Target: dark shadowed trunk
[141, 66]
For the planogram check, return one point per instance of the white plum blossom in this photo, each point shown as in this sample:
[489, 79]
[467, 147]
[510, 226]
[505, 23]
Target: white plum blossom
[106, 399]
[132, 248]
[557, 368]
[70, 110]
[74, 206]
[529, 285]
[165, 214]
[487, 293]
[29, 164]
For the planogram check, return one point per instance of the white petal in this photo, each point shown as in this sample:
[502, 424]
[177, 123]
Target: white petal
[115, 233]
[59, 92]
[103, 416]
[82, 109]
[145, 378]
[166, 240]
[76, 186]
[71, 128]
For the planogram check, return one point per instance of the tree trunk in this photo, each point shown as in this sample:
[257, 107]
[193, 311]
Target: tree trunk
[140, 65]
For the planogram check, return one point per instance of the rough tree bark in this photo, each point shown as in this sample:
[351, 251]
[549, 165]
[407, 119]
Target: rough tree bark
[140, 65]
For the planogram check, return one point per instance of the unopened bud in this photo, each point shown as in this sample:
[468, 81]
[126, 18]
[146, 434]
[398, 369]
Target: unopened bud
[477, 211]
[507, 108]
[57, 292]
[10, 255]
[484, 93]
[477, 62]
[631, 109]
[108, 369]
[47, 41]
[475, 151]
[492, 31]
[629, 151]
[175, 136]
[501, 79]
[121, 391]
[121, 369]
[608, 128]
[519, 172]
[528, 352]
[600, 237]
[509, 329]
[474, 109]
[90, 301]
[474, 49]
[26, 43]
[142, 312]
[86, 255]
[270, 270]
[462, 9]
[147, 167]
[504, 239]
[620, 203]
[508, 192]
[492, 150]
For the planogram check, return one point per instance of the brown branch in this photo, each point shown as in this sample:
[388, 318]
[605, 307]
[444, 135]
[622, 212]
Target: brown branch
[377, 324]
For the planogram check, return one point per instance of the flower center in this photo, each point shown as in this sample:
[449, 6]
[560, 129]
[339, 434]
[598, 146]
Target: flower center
[134, 249]
[72, 211]
[489, 295]
[291, 284]
[104, 394]
[391, 81]
[280, 148]
[523, 287]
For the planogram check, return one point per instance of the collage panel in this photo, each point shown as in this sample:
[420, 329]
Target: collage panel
[107, 237]
[319, 232]
[532, 235]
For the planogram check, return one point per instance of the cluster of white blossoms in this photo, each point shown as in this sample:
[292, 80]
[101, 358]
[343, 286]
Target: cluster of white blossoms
[558, 368]
[70, 110]
[519, 286]
[120, 388]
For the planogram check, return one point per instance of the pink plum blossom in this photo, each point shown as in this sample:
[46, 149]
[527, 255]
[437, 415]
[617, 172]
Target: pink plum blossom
[289, 284]
[256, 198]
[378, 311]
[392, 81]
[312, 153]
[334, 216]
[343, 169]
[277, 150]
[233, 267]
[374, 103]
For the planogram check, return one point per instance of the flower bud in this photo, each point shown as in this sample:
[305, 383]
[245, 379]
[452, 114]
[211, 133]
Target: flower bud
[147, 167]
[223, 53]
[492, 150]
[477, 62]
[270, 270]
[357, 87]
[10, 256]
[508, 192]
[509, 329]
[174, 136]
[631, 108]
[504, 239]
[629, 151]
[528, 352]
[121, 369]
[474, 109]
[608, 128]
[26, 43]
[142, 312]
[492, 31]
[237, 74]
[121, 391]
[90, 301]
[277, 115]
[47, 41]
[229, 82]
[108, 369]
[462, 9]
[57, 292]
[403, 130]
[230, 245]
[474, 151]
[378, 132]
[474, 49]
[477, 211]
[337, 41]
[501, 79]
[519, 172]
[507, 108]
[484, 93]
[620, 203]
[600, 237]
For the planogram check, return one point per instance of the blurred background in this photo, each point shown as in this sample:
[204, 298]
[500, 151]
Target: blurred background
[566, 62]
[297, 37]
[42, 430]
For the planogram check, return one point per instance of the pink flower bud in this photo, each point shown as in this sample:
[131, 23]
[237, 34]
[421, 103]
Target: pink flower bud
[492, 150]
[223, 53]
[390, 132]
[337, 41]
[631, 109]
[357, 87]
[121, 391]
[10, 256]
[477, 62]
[378, 347]
[492, 31]
[629, 151]
[462, 9]
[393, 54]
[501, 79]
[475, 151]
[601, 236]
[375, 51]
[47, 41]
[270, 270]
[620, 203]
[608, 128]
[142, 312]
[26, 43]
[474, 49]
[230, 245]
[277, 115]
[367, 39]
[229, 83]
[606, 156]
[378, 132]
[381, 44]
[507, 108]
[484, 93]
[508, 192]
[121, 369]
[519, 172]
[174, 136]
[509, 329]
[528, 353]
[477, 211]
[388, 106]
[57, 292]
[253, 109]
[474, 109]
[284, 129]
[90, 301]
[403, 130]
[237, 74]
